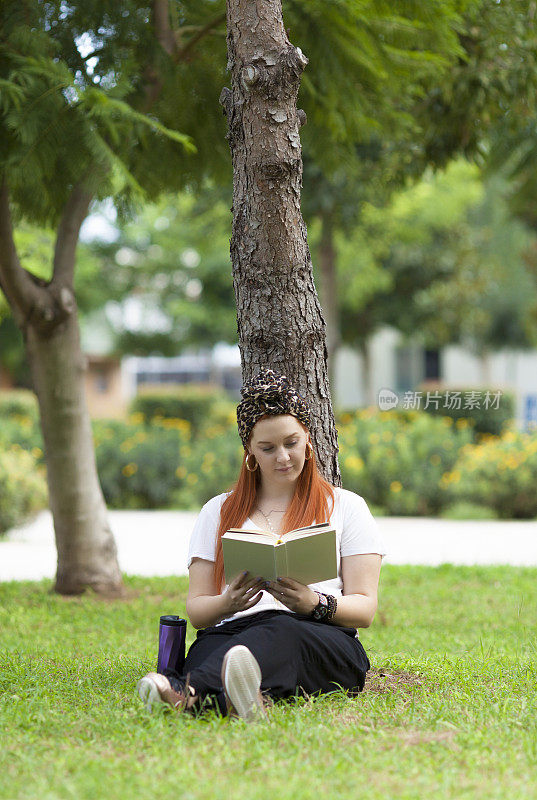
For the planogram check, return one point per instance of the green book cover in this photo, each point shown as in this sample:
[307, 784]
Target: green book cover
[308, 555]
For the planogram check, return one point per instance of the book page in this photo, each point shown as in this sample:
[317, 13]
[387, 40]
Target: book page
[300, 533]
[250, 536]
[267, 534]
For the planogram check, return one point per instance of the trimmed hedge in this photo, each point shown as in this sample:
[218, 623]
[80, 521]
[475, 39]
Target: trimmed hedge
[18, 402]
[199, 404]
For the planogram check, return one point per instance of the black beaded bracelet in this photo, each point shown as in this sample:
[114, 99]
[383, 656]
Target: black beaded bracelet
[332, 607]
[325, 610]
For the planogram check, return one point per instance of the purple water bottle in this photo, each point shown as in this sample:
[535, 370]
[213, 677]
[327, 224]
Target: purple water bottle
[171, 643]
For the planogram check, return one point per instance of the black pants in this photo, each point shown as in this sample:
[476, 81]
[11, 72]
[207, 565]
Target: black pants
[295, 653]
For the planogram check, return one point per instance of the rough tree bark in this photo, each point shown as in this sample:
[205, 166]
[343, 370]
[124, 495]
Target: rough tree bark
[279, 318]
[47, 316]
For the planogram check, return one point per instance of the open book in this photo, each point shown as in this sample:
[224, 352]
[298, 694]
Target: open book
[306, 554]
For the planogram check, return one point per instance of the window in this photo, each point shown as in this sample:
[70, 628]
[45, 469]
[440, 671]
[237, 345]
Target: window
[432, 365]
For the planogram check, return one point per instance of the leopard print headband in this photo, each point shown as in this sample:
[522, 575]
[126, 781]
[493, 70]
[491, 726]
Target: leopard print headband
[269, 393]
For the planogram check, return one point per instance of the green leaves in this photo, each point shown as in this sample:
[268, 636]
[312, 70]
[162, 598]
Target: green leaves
[57, 129]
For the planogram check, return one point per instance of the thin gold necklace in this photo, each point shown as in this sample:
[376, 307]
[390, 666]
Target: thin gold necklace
[269, 523]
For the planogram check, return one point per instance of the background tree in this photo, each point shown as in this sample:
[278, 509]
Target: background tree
[68, 135]
[487, 93]
[459, 267]
[97, 101]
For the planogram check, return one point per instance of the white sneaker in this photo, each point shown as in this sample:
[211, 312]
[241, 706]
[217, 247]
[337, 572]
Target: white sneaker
[241, 679]
[155, 689]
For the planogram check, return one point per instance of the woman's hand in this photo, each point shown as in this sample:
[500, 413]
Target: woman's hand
[243, 592]
[296, 596]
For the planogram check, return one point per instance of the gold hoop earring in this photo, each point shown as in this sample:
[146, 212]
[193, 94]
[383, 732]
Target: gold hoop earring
[246, 462]
[309, 444]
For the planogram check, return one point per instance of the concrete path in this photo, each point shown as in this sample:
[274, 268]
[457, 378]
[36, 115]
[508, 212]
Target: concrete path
[156, 543]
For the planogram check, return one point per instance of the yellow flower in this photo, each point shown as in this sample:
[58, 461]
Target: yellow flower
[129, 469]
[191, 479]
[136, 418]
[354, 463]
[37, 452]
[180, 472]
[448, 421]
[125, 446]
[374, 438]
[462, 423]
[395, 486]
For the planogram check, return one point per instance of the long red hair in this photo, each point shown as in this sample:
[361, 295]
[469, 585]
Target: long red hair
[309, 504]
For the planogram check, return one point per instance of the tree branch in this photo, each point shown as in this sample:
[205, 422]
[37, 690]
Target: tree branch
[183, 53]
[74, 214]
[163, 31]
[20, 291]
[169, 41]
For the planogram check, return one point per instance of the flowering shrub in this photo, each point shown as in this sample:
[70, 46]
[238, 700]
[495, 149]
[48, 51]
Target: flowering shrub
[488, 410]
[499, 473]
[138, 467]
[23, 489]
[163, 466]
[397, 460]
[22, 430]
[402, 462]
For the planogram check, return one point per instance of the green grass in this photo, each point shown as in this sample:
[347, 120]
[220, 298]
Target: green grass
[449, 710]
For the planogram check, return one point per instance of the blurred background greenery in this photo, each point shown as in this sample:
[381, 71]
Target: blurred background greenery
[178, 449]
[420, 199]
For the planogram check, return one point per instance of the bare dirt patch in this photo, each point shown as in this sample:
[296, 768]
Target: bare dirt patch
[382, 680]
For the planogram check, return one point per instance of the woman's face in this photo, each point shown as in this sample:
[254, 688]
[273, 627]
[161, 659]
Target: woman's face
[279, 446]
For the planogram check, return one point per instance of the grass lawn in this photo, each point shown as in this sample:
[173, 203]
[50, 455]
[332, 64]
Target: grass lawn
[449, 709]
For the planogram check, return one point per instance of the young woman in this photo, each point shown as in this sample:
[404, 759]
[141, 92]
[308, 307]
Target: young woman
[278, 638]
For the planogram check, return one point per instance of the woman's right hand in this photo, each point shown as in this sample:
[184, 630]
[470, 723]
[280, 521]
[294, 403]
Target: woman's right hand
[243, 592]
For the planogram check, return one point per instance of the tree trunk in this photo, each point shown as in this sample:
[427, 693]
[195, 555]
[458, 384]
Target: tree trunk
[279, 318]
[47, 316]
[87, 555]
[327, 259]
[368, 395]
[486, 367]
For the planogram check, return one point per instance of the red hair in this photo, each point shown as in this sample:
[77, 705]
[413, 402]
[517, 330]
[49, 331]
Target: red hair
[309, 504]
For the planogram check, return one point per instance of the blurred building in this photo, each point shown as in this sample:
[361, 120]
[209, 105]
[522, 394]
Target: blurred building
[393, 363]
[390, 362]
[111, 384]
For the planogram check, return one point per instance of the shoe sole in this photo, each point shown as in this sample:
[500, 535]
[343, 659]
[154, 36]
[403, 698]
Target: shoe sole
[149, 694]
[241, 678]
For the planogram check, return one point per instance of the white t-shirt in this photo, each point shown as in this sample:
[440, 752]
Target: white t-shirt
[356, 533]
